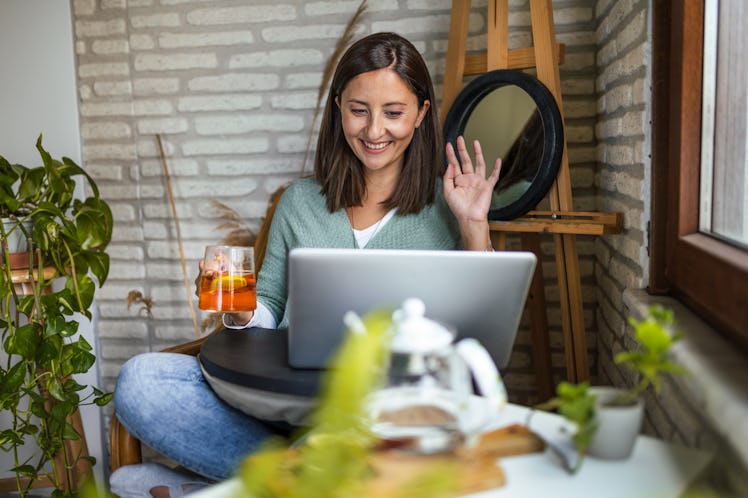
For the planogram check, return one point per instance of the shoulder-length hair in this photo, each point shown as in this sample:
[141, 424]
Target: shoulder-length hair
[337, 169]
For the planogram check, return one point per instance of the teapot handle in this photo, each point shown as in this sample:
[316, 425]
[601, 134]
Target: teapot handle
[484, 371]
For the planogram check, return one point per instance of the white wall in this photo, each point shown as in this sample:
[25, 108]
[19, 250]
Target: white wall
[37, 87]
[38, 95]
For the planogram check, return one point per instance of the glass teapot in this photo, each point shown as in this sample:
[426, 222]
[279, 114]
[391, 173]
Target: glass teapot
[427, 403]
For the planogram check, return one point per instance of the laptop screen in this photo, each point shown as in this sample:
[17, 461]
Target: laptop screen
[481, 294]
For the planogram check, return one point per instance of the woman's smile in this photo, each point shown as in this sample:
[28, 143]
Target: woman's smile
[375, 147]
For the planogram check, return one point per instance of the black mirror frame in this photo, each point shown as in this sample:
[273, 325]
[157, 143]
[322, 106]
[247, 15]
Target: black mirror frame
[553, 132]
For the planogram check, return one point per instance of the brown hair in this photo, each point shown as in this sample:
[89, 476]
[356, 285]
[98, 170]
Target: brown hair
[338, 170]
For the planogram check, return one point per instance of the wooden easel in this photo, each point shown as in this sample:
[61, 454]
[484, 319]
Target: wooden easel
[545, 56]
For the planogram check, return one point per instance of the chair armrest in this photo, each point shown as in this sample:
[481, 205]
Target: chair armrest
[125, 449]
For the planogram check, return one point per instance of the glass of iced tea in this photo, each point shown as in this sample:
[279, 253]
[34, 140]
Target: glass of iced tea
[227, 280]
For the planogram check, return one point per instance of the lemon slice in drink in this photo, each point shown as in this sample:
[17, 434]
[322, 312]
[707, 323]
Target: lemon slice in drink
[227, 283]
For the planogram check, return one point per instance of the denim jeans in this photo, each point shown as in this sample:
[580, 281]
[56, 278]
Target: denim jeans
[163, 400]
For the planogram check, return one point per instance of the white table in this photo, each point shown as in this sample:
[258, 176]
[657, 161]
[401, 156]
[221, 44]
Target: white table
[654, 470]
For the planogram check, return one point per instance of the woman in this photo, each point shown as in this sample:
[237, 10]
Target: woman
[376, 185]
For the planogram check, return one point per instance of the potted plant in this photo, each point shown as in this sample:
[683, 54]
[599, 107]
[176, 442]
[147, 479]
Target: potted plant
[576, 403]
[16, 224]
[608, 419]
[42, 348]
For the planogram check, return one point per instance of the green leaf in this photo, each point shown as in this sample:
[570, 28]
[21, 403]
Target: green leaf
[38, 408]
[70, 434]
[86, 289]
[29, 429]
[53, 323]
[26, 305]
[23, 342]
[100, 232]
[50, 350]
[61, 411]
[653, 336]
[83, 344]
[104, 399]
[71, 385]
[55, 389]
[25, 470]
[67, 328]
[98, 263]
[82, 361]
[9, 438]
[576, 403]
[673, 368]
[13, 378]
[662, 315]
[628, 357]
[76, 358]
[65, 300]
[93, 224]
[46, 229]
[30, 185]
[74, 169]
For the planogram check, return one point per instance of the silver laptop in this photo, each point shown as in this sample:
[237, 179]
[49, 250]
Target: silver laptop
[481, 294]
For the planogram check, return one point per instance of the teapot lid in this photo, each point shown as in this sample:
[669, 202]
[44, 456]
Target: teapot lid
[414, 333]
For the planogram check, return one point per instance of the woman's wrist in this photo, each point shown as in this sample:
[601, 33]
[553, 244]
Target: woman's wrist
[476, 236]
[238, 319]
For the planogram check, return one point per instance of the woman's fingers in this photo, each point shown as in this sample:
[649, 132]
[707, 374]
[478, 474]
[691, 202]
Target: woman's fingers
[494, 178]
[199, 276]
[467, 163]
[451, 156]
[480, 163]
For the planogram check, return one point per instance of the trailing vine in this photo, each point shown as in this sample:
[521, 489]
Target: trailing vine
[39, 323]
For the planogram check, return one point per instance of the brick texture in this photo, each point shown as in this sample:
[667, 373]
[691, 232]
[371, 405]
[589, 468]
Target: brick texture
[622, 181]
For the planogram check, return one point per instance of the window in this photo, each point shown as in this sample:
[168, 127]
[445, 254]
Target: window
[699, 238]
[722, 208]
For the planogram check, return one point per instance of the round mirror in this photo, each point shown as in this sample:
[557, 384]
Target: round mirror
[515, 117]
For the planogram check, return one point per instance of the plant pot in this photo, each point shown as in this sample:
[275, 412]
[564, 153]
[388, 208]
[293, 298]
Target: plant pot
[618, 425]
[17, 242]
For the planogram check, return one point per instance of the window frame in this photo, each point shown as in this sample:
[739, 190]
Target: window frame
[707, 274]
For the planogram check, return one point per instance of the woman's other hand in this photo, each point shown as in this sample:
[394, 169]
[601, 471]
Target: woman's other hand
[468, 192]
[197, 279]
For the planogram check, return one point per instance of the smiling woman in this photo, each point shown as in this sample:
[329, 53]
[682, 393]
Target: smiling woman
[378, 152]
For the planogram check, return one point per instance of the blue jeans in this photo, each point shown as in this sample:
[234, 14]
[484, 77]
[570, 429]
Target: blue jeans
[163, 400]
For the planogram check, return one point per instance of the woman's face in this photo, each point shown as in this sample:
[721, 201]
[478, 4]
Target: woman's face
[379, 116]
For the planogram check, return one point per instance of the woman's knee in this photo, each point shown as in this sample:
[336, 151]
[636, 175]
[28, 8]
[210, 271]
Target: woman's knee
[148, 379]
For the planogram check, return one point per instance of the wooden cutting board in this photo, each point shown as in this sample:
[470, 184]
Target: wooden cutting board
[471, 469]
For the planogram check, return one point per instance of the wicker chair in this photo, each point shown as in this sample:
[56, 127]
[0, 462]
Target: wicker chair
[124, 447]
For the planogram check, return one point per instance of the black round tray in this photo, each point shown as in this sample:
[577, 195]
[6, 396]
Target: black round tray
[257, 358]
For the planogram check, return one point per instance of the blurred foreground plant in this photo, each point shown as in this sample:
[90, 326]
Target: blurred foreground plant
[334, 458]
